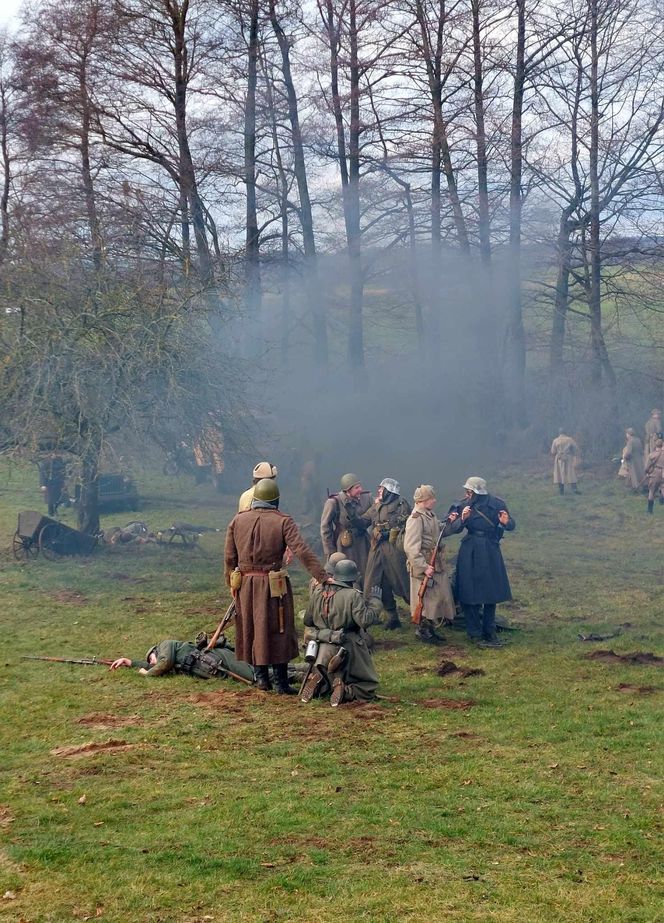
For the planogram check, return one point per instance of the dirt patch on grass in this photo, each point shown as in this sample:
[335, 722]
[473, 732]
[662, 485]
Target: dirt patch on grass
[466, 735]
[6, 816]
[69, 597]
[448, 667]
[646, 658]
[639, 690]
[124, 578]
[388, 644]
[80, 750]
[447, 703]
[108, 721]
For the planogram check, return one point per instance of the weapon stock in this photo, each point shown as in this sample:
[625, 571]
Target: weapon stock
[230, 612]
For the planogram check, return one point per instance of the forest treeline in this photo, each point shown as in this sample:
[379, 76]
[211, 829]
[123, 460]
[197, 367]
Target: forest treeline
[176, 171]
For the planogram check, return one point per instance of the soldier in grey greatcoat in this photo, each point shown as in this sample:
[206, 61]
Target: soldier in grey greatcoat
[631, 460]
[336, 619]
[343, 524]
[386, 566]
[565, 451]
[423, 530]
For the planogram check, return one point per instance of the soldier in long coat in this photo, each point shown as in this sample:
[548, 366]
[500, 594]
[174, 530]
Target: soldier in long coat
[343, 525]
[422, 532]
[565, 451]
[631, 460]
[256, 542]
[655, 474]
[481, 578]
[386, 565]
[653, 429]
[337, 617]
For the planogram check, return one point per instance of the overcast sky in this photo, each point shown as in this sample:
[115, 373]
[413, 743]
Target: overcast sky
[8, 10]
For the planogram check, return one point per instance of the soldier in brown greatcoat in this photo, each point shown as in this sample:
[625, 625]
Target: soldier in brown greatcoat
[422, 532]
[655, 474]
[565, 451]
[343, 525]
[256, 542]
[631, 460]
[653, 428]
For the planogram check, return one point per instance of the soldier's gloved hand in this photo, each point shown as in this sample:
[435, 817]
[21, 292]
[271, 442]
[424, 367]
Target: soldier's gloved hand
[337, 637]
[377, 592]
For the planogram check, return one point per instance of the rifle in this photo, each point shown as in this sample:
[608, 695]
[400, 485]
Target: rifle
[88, 661]
[419, 608]
[230, 612]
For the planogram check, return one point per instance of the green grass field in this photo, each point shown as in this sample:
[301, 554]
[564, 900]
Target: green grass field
[536, 798]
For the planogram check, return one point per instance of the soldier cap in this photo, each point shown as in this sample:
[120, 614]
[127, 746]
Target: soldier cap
[152, 650]
[348, 481]
[392, 485]
[424, 492]
[346, 572]
[266, 490]
[629, 431]
[477, 485]
[265, 469]
[333, 560]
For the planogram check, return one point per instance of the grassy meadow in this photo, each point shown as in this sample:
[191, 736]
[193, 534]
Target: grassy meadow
[528, 793]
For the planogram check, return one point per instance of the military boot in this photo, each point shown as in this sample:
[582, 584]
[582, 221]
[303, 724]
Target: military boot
[651, 504]
[313, 685]
[281, 684]
[426, 633]
[262, 675]
[491, 642]
[575, 489]
[561, 489]
[393, 621]
[338, 692]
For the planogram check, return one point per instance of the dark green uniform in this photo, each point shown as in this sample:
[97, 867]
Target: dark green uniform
[386, 566]
[185, 657]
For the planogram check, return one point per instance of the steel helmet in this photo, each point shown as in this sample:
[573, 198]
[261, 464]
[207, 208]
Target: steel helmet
[477, 485]
[265, 469]
[346, 572]
[333, 560]
[348, 481]
[391, 485]
[266, 490]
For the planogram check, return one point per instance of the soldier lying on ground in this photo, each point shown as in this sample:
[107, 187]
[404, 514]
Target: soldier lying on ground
[336, 618]
[190, 658]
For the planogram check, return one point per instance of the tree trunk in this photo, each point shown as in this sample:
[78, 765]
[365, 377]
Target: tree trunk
[252, 242]
[6, 175]
[88, 503]
[484, 221]
[316, 303]
[516, 340]
[86, 172]
[564, 256]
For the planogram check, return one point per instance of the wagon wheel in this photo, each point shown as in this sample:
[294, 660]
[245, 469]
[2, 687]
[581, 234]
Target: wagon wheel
[52, 542]
[24, 548]
[189, 538]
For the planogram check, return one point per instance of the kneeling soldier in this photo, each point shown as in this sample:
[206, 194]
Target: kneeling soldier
[336, 619]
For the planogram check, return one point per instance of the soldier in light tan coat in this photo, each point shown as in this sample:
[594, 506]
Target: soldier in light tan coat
[653, 428]
[262, 470]
[564, 450]
[422, 531]
[655, 474]
[631, 460]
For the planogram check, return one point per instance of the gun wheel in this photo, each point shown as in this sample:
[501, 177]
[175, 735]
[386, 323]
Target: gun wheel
[52, 542]
[24, 548]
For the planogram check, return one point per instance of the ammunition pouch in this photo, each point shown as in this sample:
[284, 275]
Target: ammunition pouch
[346, 538]
[278, 582]
[201, 664]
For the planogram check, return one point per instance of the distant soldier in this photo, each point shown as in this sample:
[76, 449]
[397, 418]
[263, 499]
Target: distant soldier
[262, 470]
[336, 619]
[422, 532]
[655, 473]
[631, 460]
[189, 658]
[310, 492]
[565, 452]
[52, 478]
[208, 452]
[481, 578]
[386, 565]
[343, 525]
[256, 542]
[653, 430]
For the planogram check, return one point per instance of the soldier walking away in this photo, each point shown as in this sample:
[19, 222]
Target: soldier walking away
[386, 565]
[52, 478]
[209, 452]
[653, 430]
[343, 525]
[190, 658]
[655, 474]
[335, 621]
[264, 469]
[256, 541]
[631, 460]
[423, 530]
[481, 578]
[565, 451]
